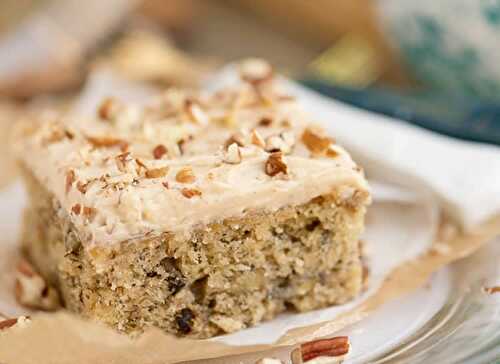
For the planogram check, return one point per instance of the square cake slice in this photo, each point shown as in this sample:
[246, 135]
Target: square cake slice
[197, 214]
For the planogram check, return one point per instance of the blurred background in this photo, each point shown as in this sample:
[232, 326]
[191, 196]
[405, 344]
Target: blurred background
[289, 33]
[431, 63]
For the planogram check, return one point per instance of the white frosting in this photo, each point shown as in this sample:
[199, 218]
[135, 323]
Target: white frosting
[126, 204]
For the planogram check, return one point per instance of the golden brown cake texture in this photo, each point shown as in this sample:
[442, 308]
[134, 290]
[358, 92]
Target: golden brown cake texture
[198, 214]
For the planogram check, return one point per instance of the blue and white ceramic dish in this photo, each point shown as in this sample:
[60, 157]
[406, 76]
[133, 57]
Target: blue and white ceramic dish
[452, 45]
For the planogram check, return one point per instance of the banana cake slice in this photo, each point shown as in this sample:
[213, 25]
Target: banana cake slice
[200, 214]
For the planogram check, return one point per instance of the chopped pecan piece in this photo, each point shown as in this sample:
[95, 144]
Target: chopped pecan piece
[5, 324]
[257, 139]
[159, 151]
[82, 187]
[185, 175]
[156, 172]
[316, 141]
[335, 346]
[108, 142]
[265, 121]
[121, 161]
[275, 164]
[76, 209]
[190, 192]
[233, 154]
[332, 152]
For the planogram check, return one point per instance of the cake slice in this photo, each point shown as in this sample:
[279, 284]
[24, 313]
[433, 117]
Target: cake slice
[197, 214]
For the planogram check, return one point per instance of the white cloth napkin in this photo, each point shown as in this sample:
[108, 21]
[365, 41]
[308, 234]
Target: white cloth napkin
[464, 177]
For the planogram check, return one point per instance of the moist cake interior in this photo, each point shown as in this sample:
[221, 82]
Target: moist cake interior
[216, 279]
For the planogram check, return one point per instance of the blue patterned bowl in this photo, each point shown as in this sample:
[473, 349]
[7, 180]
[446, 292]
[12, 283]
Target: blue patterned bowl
[452, 45]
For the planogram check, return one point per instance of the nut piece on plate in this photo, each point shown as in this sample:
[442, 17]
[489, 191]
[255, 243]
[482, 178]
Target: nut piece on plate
[20, 321]
[32, 291]
[5, 324]
[335, 348]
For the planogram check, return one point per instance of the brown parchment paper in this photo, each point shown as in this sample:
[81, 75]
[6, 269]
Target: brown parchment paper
[64, 338]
